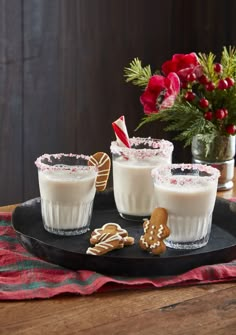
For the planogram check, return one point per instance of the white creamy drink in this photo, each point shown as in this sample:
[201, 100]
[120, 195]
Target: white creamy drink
[133, 186]
[132, 181]
[189, 200]
[67, 193]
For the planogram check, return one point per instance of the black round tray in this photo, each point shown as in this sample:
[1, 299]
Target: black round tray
[70, 252]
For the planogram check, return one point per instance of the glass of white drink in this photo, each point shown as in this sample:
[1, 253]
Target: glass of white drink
[132, 181]
[188, 193]
[67, 190]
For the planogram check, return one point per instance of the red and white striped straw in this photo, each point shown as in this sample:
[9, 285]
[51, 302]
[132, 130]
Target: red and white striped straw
[121, 133]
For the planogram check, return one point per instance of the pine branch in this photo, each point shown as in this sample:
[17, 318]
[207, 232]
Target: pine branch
[184, 118]
[137, 74]
[228, 60]
[149, 118]
[199, 126]
[207, 62]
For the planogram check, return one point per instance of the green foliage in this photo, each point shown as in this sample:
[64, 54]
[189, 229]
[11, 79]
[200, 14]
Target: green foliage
[183, 118]
[137, 74]
[207, 62]
[228, 60]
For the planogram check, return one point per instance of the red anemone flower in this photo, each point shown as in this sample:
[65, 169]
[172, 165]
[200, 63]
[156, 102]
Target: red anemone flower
[160, 93]
[183, 65]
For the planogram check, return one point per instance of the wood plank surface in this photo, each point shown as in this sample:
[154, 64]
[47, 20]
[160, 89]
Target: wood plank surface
[109, 35]
[11, 112]
[130, 312]
[49, 83]
[61, 73]
[200, 27]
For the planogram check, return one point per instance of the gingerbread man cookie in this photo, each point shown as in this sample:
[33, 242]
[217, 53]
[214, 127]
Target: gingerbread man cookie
[103, 162]
[155, 231]
[108, 228]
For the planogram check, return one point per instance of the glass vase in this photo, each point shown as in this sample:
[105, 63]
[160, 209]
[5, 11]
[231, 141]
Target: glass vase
[219, 153]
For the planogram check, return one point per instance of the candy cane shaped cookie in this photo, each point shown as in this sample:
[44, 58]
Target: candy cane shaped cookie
[107, 243]
[103, 162]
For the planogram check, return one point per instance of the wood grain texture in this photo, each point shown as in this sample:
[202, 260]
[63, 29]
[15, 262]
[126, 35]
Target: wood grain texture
[129, 312]
[49, 83]
[61, 78]
[109, 35]
[8, 208]
[200, 26]
[11, 112]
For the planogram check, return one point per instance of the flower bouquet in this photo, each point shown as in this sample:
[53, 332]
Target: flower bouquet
[193, 94]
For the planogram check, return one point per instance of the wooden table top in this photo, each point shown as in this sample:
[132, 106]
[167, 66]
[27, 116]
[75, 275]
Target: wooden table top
[203, 309]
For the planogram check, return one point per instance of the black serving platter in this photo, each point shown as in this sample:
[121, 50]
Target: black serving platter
[70, 252]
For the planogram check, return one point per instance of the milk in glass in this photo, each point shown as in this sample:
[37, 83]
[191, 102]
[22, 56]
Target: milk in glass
[67, 193]
[188, 192]
[132, 181]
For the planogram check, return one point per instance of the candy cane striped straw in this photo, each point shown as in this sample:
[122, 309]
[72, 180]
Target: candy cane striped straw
[121, 133]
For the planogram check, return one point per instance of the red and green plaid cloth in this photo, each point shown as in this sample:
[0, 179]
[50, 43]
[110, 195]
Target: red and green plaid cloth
[23, 276]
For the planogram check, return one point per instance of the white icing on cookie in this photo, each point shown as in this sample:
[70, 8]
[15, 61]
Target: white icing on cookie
[160, 231]
[105, 244]
[98, 232]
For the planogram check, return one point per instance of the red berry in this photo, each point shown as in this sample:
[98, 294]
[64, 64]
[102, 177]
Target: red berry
[191, 77]
[230, 81]
[218, 68]
[190, 96]
[204, 103]
[208, 116]
[184, 84]
[210, 86]
[230, 129]
[203, 80]
[226, 112]
[220, 114]
[222, 84]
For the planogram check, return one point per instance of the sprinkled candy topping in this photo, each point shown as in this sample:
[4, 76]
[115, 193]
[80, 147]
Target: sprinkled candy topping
[64, 162]
[185, 174]
[142, 148]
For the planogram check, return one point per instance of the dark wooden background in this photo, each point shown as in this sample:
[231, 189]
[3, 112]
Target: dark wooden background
[61, 73]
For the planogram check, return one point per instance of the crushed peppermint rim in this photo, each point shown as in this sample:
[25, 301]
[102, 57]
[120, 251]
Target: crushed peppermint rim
[59, 165]
[165, 174]
[152, 147]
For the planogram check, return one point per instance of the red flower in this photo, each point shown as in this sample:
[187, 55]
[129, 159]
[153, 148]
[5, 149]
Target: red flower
[160, 93]
[183, 65]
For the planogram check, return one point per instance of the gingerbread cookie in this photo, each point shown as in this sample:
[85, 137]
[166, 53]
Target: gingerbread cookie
[106, 244]
[103, 162]
[108, 228]
[155, 231]
[109, 237]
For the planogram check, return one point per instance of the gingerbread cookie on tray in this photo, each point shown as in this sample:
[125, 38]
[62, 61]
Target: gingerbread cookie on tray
[107, 238]
[107, 228]
[155, 231]
[110, 228]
